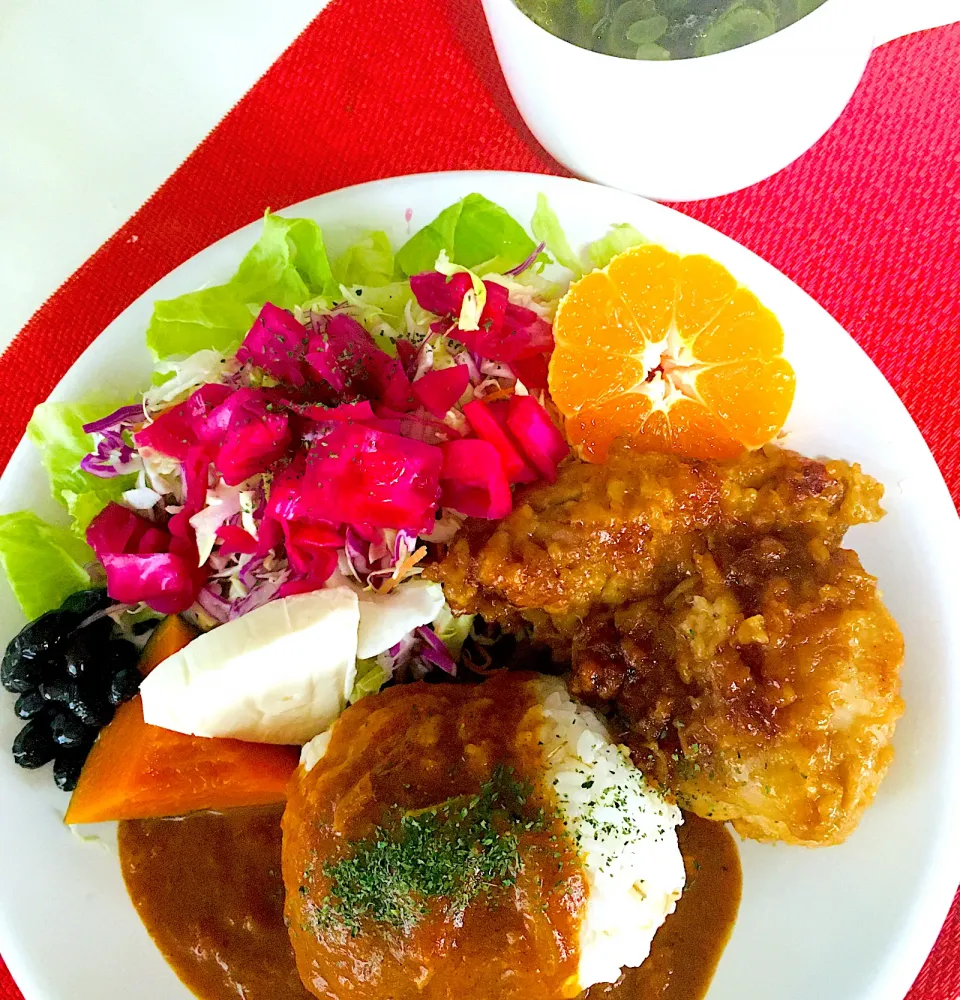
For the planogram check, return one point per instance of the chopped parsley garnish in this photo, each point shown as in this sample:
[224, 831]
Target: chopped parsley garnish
[457, 852]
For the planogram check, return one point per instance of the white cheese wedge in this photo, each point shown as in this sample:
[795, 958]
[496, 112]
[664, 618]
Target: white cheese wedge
[386, 618]
[280, 674]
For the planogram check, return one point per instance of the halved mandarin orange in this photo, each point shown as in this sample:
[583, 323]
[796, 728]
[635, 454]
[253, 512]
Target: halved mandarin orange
[670, 352]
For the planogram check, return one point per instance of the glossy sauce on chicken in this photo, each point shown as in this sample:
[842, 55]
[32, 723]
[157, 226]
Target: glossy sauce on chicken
[712, 607]
[209, 891]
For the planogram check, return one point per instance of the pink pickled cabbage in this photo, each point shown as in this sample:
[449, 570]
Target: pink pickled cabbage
[116, 529]
[195, 471]
[418, 426]
[143, 562]
[361, 475]
[234, 539]
[472, 479]
[361, 412]
[481, 417]
[347, 358]
[532, 371]
[439, 294]
[321, 570]
[278, 344]
[537, 435]
[165, 582]
[407, 356]
[507, 332]
[175, 431]
[250, 433]
[439, 390]
[306, 542]
[287, 502]
[523, 335]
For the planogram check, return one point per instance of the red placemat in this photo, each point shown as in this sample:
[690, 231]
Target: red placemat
[868, 221]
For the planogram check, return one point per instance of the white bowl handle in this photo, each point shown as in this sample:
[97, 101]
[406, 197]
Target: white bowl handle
[901, 17]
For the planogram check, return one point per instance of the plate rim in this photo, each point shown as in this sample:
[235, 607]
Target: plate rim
[931, 903]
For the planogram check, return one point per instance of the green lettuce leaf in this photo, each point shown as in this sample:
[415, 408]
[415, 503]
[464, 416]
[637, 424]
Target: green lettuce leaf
[546, 228]
[287, 266]
[44, 563]
[473, 231]
[619, 238]
[368, 262]
[370, 678]
[57, 431]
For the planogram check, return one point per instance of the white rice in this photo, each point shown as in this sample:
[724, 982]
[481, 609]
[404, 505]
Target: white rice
[625, 832]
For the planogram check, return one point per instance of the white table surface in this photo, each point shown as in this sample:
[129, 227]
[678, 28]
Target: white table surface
[100, 101]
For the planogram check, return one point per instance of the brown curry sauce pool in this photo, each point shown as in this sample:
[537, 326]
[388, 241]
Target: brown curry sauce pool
[209, 890]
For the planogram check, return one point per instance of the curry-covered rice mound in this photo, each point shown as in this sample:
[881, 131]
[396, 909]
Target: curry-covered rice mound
[711, 606]
[480, 840]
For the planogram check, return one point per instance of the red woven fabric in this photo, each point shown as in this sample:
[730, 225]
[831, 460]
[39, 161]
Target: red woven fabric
[868, 221]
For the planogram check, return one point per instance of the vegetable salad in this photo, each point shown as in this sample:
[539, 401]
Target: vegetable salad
[310, 423]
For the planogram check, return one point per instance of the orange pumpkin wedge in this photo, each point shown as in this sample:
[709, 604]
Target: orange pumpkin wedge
[138, 771]
[169, 637]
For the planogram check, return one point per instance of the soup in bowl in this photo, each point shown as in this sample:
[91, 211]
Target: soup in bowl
[686, 99]
[665, 29]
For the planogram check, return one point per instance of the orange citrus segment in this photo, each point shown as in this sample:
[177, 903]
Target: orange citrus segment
[687, 427]
[599, 319]
[705, 286]
[742, 329]
[751, 398]
[670, 352]
[647, 282]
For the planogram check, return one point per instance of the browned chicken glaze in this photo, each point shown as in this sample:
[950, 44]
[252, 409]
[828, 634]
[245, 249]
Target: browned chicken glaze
[710, 606]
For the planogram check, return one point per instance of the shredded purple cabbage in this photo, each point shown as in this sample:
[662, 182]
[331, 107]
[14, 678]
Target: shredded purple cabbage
[112, 456]
[125, 417]
[215, 606]
[529, 262]
[434, 651]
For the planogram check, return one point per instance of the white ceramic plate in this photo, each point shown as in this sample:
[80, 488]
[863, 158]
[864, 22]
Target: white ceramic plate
[853, 922]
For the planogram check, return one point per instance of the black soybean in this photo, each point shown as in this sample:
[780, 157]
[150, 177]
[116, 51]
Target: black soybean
[67, 767]
[29, 704]
[124, 685]
[81, 657]
[34, 744]
[20, 672]
[87, 602]
[91, 709]
[69, 681]
[98, 633]
[121, 654]
[61, 690]
[47, 633]
[69, 731]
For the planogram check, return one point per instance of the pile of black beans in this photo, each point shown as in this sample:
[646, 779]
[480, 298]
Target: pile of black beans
[69, 678]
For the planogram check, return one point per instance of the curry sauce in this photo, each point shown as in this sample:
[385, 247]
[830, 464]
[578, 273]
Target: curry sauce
[209, 890]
